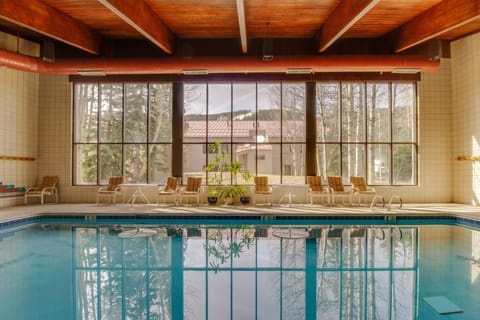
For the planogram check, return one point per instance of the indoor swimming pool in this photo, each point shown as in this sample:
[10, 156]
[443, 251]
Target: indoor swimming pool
[53, 268]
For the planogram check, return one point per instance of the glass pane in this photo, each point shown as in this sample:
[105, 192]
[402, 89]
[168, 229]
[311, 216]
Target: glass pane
[269, 295]
[245, 153]
[328, 295]
[194, 161]
[219, 112]
[404, 158]
[111, 253]
[293, 253]
[268, 114]
[135, 255]
[219, 159]
[111, 113]
[329, 248]
[86, 248]
[85, 164]
[136, 112]
[328, 112]
[194, 251]
[378, 164]
[293, 163]
[353, 112]
[404, 247]
[160, 251]
[353, 289]
[243, 248]
[195, 112]
[293, 295]
[194, 295]
[160, 291]
[378, 104]
[160, 163]
[136, 163]
[328, 160]
[404, 112]
[243, 298]
[379, 247]
[353, 160]
[378, 294]
[160, 126]
[244, 112]
[86, 112]
[268, 253]
[87, 294]
[268, 162]
[219, 295]
[353, 252]
[403, 294]
[110, 161]
[135, 295]
[293, 112]
[111, 285]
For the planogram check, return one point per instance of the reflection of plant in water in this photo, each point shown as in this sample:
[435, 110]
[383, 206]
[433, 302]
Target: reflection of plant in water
[224, 244]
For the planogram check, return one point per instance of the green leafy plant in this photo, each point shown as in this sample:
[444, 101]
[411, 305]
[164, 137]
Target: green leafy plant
[218, 166]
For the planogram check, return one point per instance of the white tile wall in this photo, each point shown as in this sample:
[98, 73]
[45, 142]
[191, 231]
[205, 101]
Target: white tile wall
[18, 129]
[466, 118]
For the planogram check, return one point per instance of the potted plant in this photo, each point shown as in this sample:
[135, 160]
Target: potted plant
[215, 170]
[229, 193]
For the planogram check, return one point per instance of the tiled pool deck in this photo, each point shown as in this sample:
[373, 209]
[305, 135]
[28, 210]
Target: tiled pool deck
[89, 209]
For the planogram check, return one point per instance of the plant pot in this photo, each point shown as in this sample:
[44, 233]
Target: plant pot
[212, 199]
[229, 201]
[245, 200]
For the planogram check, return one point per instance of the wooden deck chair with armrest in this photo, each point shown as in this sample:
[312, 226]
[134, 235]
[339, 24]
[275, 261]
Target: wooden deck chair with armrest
[360, 190]
[169, 190]
[112, 190]
[338, 190]
[262, 188]
[317, 190]
[191, 190]
[47, 188]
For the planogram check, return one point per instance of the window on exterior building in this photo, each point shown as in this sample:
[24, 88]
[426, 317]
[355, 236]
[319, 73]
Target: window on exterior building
[122, 129]
[262, 125]
[367, 129]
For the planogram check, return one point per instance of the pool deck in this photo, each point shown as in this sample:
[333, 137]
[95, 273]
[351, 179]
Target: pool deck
[300, 210]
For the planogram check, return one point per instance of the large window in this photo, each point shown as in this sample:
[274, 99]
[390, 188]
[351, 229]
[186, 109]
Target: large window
[367, 129]
[260, 124]
[122, 129]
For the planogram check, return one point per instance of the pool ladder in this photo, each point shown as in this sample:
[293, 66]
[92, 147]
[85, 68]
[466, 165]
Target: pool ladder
[389, 206]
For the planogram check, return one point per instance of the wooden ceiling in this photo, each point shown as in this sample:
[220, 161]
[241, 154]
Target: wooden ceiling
[146, 28]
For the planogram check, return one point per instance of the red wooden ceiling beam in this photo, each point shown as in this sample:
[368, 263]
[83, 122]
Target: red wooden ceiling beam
[241, 24]
[41, 18]
[441, 18]
[345, 15]
[142, 18]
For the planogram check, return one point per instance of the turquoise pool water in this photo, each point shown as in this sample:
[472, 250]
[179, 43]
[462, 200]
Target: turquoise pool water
[129, 269]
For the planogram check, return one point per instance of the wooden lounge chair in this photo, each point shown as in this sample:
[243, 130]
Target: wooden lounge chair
[47, 188]
[316, 190]
[169, 190]
[361, 190]
[338, 190]
[191, 190]
[112, 190]
[262, 189]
